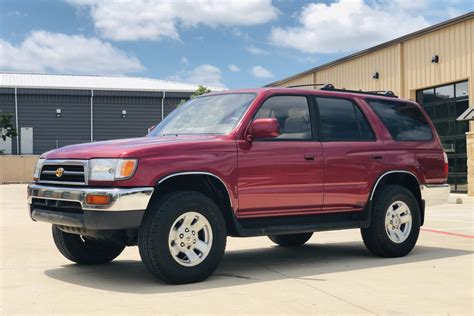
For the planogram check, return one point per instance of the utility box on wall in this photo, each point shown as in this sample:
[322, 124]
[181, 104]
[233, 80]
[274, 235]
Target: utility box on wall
[26, 140]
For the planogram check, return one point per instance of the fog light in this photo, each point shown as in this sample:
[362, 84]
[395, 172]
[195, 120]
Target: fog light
[95, 199]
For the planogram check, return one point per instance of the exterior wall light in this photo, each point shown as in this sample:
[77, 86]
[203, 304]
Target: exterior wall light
[124, 113]
[434, 59]
[58, 112]
[375, 75]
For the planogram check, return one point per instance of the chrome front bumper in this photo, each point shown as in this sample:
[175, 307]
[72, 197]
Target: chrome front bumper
[435, 194]
[121, 199]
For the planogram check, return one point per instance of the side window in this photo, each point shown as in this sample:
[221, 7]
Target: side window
[366, 133]
[292, 114]
[342, 120]
[404, 121]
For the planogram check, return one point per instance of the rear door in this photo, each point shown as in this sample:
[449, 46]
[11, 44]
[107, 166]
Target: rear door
[353, 155]
[283, 175]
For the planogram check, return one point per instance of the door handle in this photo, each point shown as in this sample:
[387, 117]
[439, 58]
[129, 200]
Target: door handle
[377, 157]
[309, 156]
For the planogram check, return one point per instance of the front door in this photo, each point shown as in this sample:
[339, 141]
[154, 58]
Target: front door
[283, 175]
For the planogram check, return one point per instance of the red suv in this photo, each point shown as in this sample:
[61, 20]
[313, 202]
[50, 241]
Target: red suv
[274, 162]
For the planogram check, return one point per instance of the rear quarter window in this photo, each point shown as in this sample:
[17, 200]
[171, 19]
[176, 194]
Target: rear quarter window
[404, 121]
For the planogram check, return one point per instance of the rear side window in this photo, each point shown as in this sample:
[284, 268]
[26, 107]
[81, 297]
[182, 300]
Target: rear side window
[342, 120]
[404, 121]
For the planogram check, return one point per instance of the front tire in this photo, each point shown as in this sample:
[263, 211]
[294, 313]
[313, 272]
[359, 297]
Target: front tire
[182, 237]
[290, 240]
[85, 250]
[395, 223]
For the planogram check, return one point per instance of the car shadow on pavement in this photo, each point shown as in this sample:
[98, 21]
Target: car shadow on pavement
[309, 262]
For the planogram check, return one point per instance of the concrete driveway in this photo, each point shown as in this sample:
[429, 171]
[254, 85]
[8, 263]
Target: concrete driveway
[333, 273]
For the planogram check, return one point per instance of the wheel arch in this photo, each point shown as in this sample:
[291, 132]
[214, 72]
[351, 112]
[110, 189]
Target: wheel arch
[404, 178]
[204, 182]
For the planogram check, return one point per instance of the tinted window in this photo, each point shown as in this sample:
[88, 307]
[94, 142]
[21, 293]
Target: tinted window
[403, 120]
[292, 114]
[342, 120]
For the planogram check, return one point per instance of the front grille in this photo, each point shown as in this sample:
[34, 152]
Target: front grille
[71, 174]
[57, 206]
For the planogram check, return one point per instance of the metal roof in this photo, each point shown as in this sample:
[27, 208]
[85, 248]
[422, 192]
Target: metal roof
[93, 82]
[464, 17]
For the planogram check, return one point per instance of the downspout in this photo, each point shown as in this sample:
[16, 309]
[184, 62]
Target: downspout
[163, 106]
[16, 123]
[92, 115]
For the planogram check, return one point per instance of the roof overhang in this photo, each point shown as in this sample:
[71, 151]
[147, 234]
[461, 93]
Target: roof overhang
[467, 115]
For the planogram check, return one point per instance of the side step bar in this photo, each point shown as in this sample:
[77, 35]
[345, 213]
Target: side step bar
[299, 224]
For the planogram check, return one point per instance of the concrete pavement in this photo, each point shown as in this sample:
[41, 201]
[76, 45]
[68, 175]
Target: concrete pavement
[333, 273]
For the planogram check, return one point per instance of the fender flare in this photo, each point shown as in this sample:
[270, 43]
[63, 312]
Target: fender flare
[185, 173]
[387, 173]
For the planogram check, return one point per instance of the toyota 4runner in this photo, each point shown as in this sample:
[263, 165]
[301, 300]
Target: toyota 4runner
[275, 162]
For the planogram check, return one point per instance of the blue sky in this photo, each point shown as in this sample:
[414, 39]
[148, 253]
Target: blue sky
[233, 44]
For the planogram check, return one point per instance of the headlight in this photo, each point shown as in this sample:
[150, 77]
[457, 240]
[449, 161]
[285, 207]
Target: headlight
[111, 169]
[37, 171]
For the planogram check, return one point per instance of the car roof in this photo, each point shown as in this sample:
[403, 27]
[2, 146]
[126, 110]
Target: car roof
[328, 92]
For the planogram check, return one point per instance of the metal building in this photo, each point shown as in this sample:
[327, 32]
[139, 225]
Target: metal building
[51, 111]
[434, 66]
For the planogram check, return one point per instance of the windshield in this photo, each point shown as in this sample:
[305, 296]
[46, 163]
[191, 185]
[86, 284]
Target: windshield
[213, 114]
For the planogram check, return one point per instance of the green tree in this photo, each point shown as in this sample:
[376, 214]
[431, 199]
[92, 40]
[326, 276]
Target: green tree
[200, 91]
[6, 128]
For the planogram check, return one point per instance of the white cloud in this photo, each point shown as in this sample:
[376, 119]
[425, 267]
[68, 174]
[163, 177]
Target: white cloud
[261, 72]
[348, 25]
[256, 50]
[155, 19]
[54, 52]
[184, 60]
[17, 14]
[206, 75]
[234, 68]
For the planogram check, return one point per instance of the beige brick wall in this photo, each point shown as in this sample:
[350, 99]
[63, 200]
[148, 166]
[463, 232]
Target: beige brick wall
[17, 169]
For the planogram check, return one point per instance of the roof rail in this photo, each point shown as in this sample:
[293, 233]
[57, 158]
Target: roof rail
[329, 86]
[387, 93]
[325, 86]
[384, 93]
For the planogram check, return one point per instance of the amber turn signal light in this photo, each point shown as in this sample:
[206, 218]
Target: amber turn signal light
[127, 168]
[96, 199]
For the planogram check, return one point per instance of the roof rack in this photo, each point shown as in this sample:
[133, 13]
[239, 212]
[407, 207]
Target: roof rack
[325, 86]
[330, 87]
[387, 93]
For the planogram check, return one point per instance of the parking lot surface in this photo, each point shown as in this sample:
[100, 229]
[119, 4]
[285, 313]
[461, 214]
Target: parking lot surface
[332, 273]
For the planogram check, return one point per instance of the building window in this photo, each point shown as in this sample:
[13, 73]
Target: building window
[444, 104]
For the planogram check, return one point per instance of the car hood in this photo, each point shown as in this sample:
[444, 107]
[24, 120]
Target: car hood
[126, 148]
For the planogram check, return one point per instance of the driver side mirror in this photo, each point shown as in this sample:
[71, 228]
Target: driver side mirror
[263, 128]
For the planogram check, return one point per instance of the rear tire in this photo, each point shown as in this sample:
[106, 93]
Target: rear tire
[182, 237]
[85, 250]
[395, 222]
[290, 240]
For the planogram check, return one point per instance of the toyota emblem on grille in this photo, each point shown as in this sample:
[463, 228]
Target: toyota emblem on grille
[59, 172]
